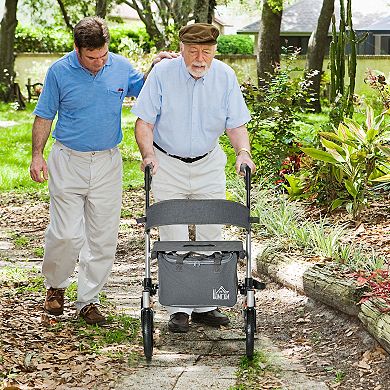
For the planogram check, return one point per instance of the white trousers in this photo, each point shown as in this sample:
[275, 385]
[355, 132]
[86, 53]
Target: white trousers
[85, 203]
[203, 179]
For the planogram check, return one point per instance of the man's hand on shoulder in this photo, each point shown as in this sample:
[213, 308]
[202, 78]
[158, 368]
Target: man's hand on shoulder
[164, 54]
[160, 56]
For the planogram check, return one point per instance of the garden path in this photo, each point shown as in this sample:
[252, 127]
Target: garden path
[308, 345]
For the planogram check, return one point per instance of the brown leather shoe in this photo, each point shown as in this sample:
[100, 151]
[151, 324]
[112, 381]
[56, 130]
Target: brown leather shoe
[212, 318]
[92, 315]
[54, 302]
[179, 322]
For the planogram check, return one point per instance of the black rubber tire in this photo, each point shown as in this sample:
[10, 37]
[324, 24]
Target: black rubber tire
[250, 330]
[147, 332]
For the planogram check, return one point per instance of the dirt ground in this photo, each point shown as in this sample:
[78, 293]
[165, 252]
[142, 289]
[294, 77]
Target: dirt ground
[332, 347]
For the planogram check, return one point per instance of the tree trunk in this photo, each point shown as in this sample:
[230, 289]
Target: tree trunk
[7, 57]
[375, 316]
[326, 287]
[101, 8]
[312, 280]
[145, 13]
[201, 11]
[318, 43]
[268, 56]
[210, 14]
[204, 11]
[283, 270]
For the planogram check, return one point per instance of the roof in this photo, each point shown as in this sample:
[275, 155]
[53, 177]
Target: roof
[302, 16]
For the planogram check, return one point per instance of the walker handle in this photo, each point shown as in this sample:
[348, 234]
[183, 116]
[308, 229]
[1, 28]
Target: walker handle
[248, 173]
[148, 182]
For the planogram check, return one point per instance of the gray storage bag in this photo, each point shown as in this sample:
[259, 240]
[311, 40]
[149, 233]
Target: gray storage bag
[197, 280]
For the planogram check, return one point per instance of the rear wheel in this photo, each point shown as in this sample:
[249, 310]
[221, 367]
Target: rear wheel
[250, 329]
[147, 332]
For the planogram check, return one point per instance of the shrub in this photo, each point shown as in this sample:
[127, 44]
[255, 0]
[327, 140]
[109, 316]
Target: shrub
[42, 40]
[359, 155]
[59, 40]
[235, 44]
[274, 107]
[139, 36]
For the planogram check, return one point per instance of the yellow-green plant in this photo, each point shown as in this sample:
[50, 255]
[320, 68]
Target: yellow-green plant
[360, 154]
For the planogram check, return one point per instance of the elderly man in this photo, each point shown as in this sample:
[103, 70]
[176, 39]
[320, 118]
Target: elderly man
[86, 88]
[185, 106]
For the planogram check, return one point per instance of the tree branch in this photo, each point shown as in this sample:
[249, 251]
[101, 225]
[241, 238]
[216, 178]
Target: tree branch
[65, 15]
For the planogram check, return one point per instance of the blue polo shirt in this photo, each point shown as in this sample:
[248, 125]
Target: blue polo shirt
[89, 106]
[190, 115]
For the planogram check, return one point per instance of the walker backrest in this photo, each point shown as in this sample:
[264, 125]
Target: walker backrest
[197, 212]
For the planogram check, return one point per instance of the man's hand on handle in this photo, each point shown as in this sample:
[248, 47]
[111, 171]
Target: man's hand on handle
[244, 158]
[150, 160]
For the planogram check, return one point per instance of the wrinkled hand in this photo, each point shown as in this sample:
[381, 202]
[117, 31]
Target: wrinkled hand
[150, 160]
[164, 54]
[243, 158]
[38, 169]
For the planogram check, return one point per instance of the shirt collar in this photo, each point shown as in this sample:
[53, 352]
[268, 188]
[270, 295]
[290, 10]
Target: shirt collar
[187, 74]
[74, 60]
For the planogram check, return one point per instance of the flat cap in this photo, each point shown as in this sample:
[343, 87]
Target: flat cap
[199, 33]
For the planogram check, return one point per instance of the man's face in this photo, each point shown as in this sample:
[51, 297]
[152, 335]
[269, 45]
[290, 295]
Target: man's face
[94, 59]
[197, 58]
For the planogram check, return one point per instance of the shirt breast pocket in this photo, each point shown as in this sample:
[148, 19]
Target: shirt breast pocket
[113, 101]
[117, 94]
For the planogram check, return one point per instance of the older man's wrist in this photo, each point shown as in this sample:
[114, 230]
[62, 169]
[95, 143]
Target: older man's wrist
[247, 151]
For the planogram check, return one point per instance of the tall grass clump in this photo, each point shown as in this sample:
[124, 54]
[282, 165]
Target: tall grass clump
[287, 222]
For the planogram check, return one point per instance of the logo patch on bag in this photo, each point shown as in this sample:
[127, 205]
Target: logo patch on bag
[221, 294]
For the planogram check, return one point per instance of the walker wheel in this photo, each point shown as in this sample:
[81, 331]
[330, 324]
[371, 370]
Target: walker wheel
[250, 330]
[147, 332]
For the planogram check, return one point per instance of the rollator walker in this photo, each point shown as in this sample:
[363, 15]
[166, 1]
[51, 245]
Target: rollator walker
[198, 273]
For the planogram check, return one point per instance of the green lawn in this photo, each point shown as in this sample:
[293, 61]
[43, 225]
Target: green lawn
[15, 152]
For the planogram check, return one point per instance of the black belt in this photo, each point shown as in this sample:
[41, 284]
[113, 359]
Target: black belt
[184, 159]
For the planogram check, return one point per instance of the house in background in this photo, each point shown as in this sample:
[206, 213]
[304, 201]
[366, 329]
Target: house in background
[300, 19]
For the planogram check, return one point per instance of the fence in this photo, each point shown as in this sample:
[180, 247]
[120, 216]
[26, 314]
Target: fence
[34, 66]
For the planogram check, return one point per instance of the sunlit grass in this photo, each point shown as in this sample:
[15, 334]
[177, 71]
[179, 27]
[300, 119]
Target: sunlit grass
[15, 156]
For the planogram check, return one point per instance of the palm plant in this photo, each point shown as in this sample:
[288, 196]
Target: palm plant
[360, 154]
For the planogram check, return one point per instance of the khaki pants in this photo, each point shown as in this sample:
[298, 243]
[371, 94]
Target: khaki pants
[203, 179]
[85, 202]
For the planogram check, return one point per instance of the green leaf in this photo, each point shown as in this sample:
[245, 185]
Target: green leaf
[371, 134]
[327, 134]
[351, 188]
[337, 156]
[320, 155]
[331, 145]
[383, 178]
[369, 117]
[337, 203]
[385, 150]
[335, 137]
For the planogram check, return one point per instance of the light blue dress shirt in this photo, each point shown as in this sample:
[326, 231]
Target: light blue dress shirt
[190, 115]
[89, 106]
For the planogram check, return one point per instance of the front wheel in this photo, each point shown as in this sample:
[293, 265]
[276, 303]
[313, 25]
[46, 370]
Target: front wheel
[147, 332]
[250, 330]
